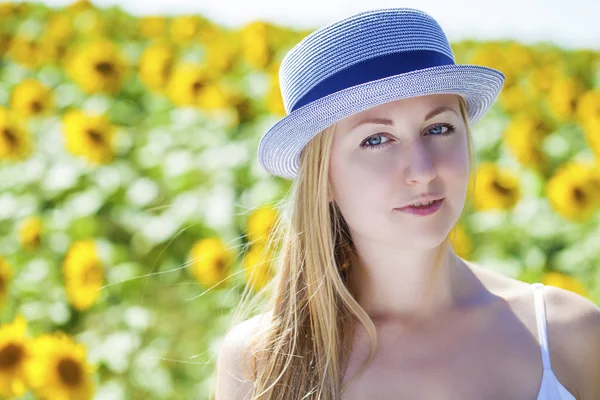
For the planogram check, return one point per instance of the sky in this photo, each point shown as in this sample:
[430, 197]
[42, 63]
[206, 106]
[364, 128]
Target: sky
[568, 23]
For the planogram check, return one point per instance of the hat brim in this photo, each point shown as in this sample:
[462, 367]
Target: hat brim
[279, 148]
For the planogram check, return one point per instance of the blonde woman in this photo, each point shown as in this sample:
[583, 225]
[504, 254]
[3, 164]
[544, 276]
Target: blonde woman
[370, 301]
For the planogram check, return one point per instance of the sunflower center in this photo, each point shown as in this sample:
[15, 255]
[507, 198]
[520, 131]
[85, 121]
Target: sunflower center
[36, 106]
[197, 86]
[69, 371]
[105, 68]
[95, 136]
[579, 195]
[502, 189]
[10, 137]
[10, 355]
[92, 275]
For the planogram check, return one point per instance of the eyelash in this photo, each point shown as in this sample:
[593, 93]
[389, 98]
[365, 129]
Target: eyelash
[450, 131]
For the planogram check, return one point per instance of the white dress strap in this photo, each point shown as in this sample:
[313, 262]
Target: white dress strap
[540, 316]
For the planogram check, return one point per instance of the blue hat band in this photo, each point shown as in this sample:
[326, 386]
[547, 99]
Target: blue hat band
[373, 69]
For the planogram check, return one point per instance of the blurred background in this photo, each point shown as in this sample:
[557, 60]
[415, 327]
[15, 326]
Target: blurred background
[133, 209]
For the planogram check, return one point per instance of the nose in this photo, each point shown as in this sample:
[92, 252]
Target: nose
[419, 168]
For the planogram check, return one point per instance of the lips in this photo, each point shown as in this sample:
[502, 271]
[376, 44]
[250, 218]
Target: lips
[420, 200]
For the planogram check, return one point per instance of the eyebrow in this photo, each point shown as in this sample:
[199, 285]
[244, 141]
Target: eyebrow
[389, 122]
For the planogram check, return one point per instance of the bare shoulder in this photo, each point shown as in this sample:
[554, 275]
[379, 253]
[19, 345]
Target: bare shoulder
[234, 367]
[573, 327]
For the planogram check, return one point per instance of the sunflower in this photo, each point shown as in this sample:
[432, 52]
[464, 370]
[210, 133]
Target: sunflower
[30, 232]
[155, 65]
[540, 78]
[90, 136]
[6, 275]
[523, 137]
[274, 100]
[573, 191]
[257, 267]
[152, 26]
[83, 274]
[98, 67]
[184, 28]
[59, 27]
[260, 224]
[591, 129]
[461, 242]
[210, 260]
[15, 355]
[588, 105]
[563, 281]
[493, 55]
[59, 368]
[516, 98]
[221, 52]
[24, 51]
[562, 97]
[31, 98]
[15, 143]
[495, 188]
[186, 83]
[255, 45]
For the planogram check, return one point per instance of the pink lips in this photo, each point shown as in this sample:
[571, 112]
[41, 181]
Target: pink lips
[422, 211]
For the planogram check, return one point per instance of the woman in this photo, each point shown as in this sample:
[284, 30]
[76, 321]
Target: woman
[370, 300]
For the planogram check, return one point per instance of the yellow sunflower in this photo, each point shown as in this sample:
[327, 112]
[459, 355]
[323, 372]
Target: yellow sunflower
[495, 188]
[186, 83]
[523, 137]
[59, 368]
[562, 97]
[15, 355]
[588, 105]
[30, 232]
[255, 45]
[24, 51]
[461, 242]
[540, 78]
[210, 261]
[221, 52]
[564, 281]
[59, 27]
[6, 275]
[83, 274]
[573, 191]
[257, 265]
[89, 136]
[214, 96]
[184, 28]
[516, 98]
[260, 224]
[152, 26]
[274, 100]
[97, 67]
[591, 129]
[30, 98]
[155, 65]
[15, 143]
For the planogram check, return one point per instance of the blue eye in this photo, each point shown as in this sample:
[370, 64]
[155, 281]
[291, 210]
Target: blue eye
[438, 128]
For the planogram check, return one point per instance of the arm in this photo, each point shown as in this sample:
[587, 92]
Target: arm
[574, 340]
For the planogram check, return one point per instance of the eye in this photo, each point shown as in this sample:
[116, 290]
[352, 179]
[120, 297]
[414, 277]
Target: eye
[439, 131]
[367, 143]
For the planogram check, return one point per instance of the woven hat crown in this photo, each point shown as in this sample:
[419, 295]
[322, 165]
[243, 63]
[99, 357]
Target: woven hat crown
[367, 35]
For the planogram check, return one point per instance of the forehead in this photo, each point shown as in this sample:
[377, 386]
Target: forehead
[413, 107]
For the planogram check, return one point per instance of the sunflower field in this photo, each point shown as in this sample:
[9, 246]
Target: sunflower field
[133, 210]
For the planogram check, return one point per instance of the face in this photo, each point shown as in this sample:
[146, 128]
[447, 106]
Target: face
[411, 147]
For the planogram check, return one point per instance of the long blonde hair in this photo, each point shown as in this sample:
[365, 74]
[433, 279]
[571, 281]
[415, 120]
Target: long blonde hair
[302, 352]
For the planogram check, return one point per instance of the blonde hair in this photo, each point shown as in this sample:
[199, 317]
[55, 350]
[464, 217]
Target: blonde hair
[302, 352]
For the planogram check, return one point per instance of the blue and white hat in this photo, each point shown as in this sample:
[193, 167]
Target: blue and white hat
[370, 58]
